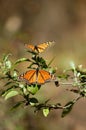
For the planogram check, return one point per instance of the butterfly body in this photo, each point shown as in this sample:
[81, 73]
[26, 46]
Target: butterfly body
[36, 76]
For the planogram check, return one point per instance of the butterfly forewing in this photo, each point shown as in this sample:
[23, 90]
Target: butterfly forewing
[32, 47]
[40, 78]
[29, 76]
[33, 79]
[44, 76]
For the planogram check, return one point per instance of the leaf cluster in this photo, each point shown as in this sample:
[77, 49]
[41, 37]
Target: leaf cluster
[14, 87]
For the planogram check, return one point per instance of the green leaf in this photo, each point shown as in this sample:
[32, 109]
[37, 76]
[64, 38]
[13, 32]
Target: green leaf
[8, 64]
[33, 101]
[46, 112]
[11, 94]
[64, 76]
[40, 61]
[30, 66]
[5, 57]
[5, 92]
[14, 74]
[21, 60]
[67, 108]
[33, 88]
[21, 85]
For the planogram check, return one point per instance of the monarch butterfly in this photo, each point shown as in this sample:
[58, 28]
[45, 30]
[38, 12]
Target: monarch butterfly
[38, 48]
[37, 76]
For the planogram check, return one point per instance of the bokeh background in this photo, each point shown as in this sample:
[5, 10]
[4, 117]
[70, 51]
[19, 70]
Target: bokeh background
[37, 21]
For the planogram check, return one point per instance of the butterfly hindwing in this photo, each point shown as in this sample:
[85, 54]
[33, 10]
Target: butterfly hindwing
[40, 78]
[31, 76]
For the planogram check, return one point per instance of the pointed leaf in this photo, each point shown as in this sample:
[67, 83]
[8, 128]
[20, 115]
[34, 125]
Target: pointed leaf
[33, 88]
[21, 60]
[46, 112]
[11, 94]
[67, 108]
[5, 92]
[8, 64]
[33, 101]
[5, 57]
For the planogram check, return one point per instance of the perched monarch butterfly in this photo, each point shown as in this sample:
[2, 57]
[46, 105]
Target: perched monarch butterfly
[37, 76]
[38, 48]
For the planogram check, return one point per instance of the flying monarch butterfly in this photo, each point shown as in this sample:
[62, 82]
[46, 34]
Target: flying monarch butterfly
[37, 77]
[38, 48]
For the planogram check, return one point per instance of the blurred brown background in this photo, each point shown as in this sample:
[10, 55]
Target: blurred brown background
[37, 21]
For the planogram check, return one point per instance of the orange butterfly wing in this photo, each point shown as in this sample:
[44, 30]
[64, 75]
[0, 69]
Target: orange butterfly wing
[38, 48]
[36, 77]
[29, 76]
[32, 47]
[43, 77]
[41, 47]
